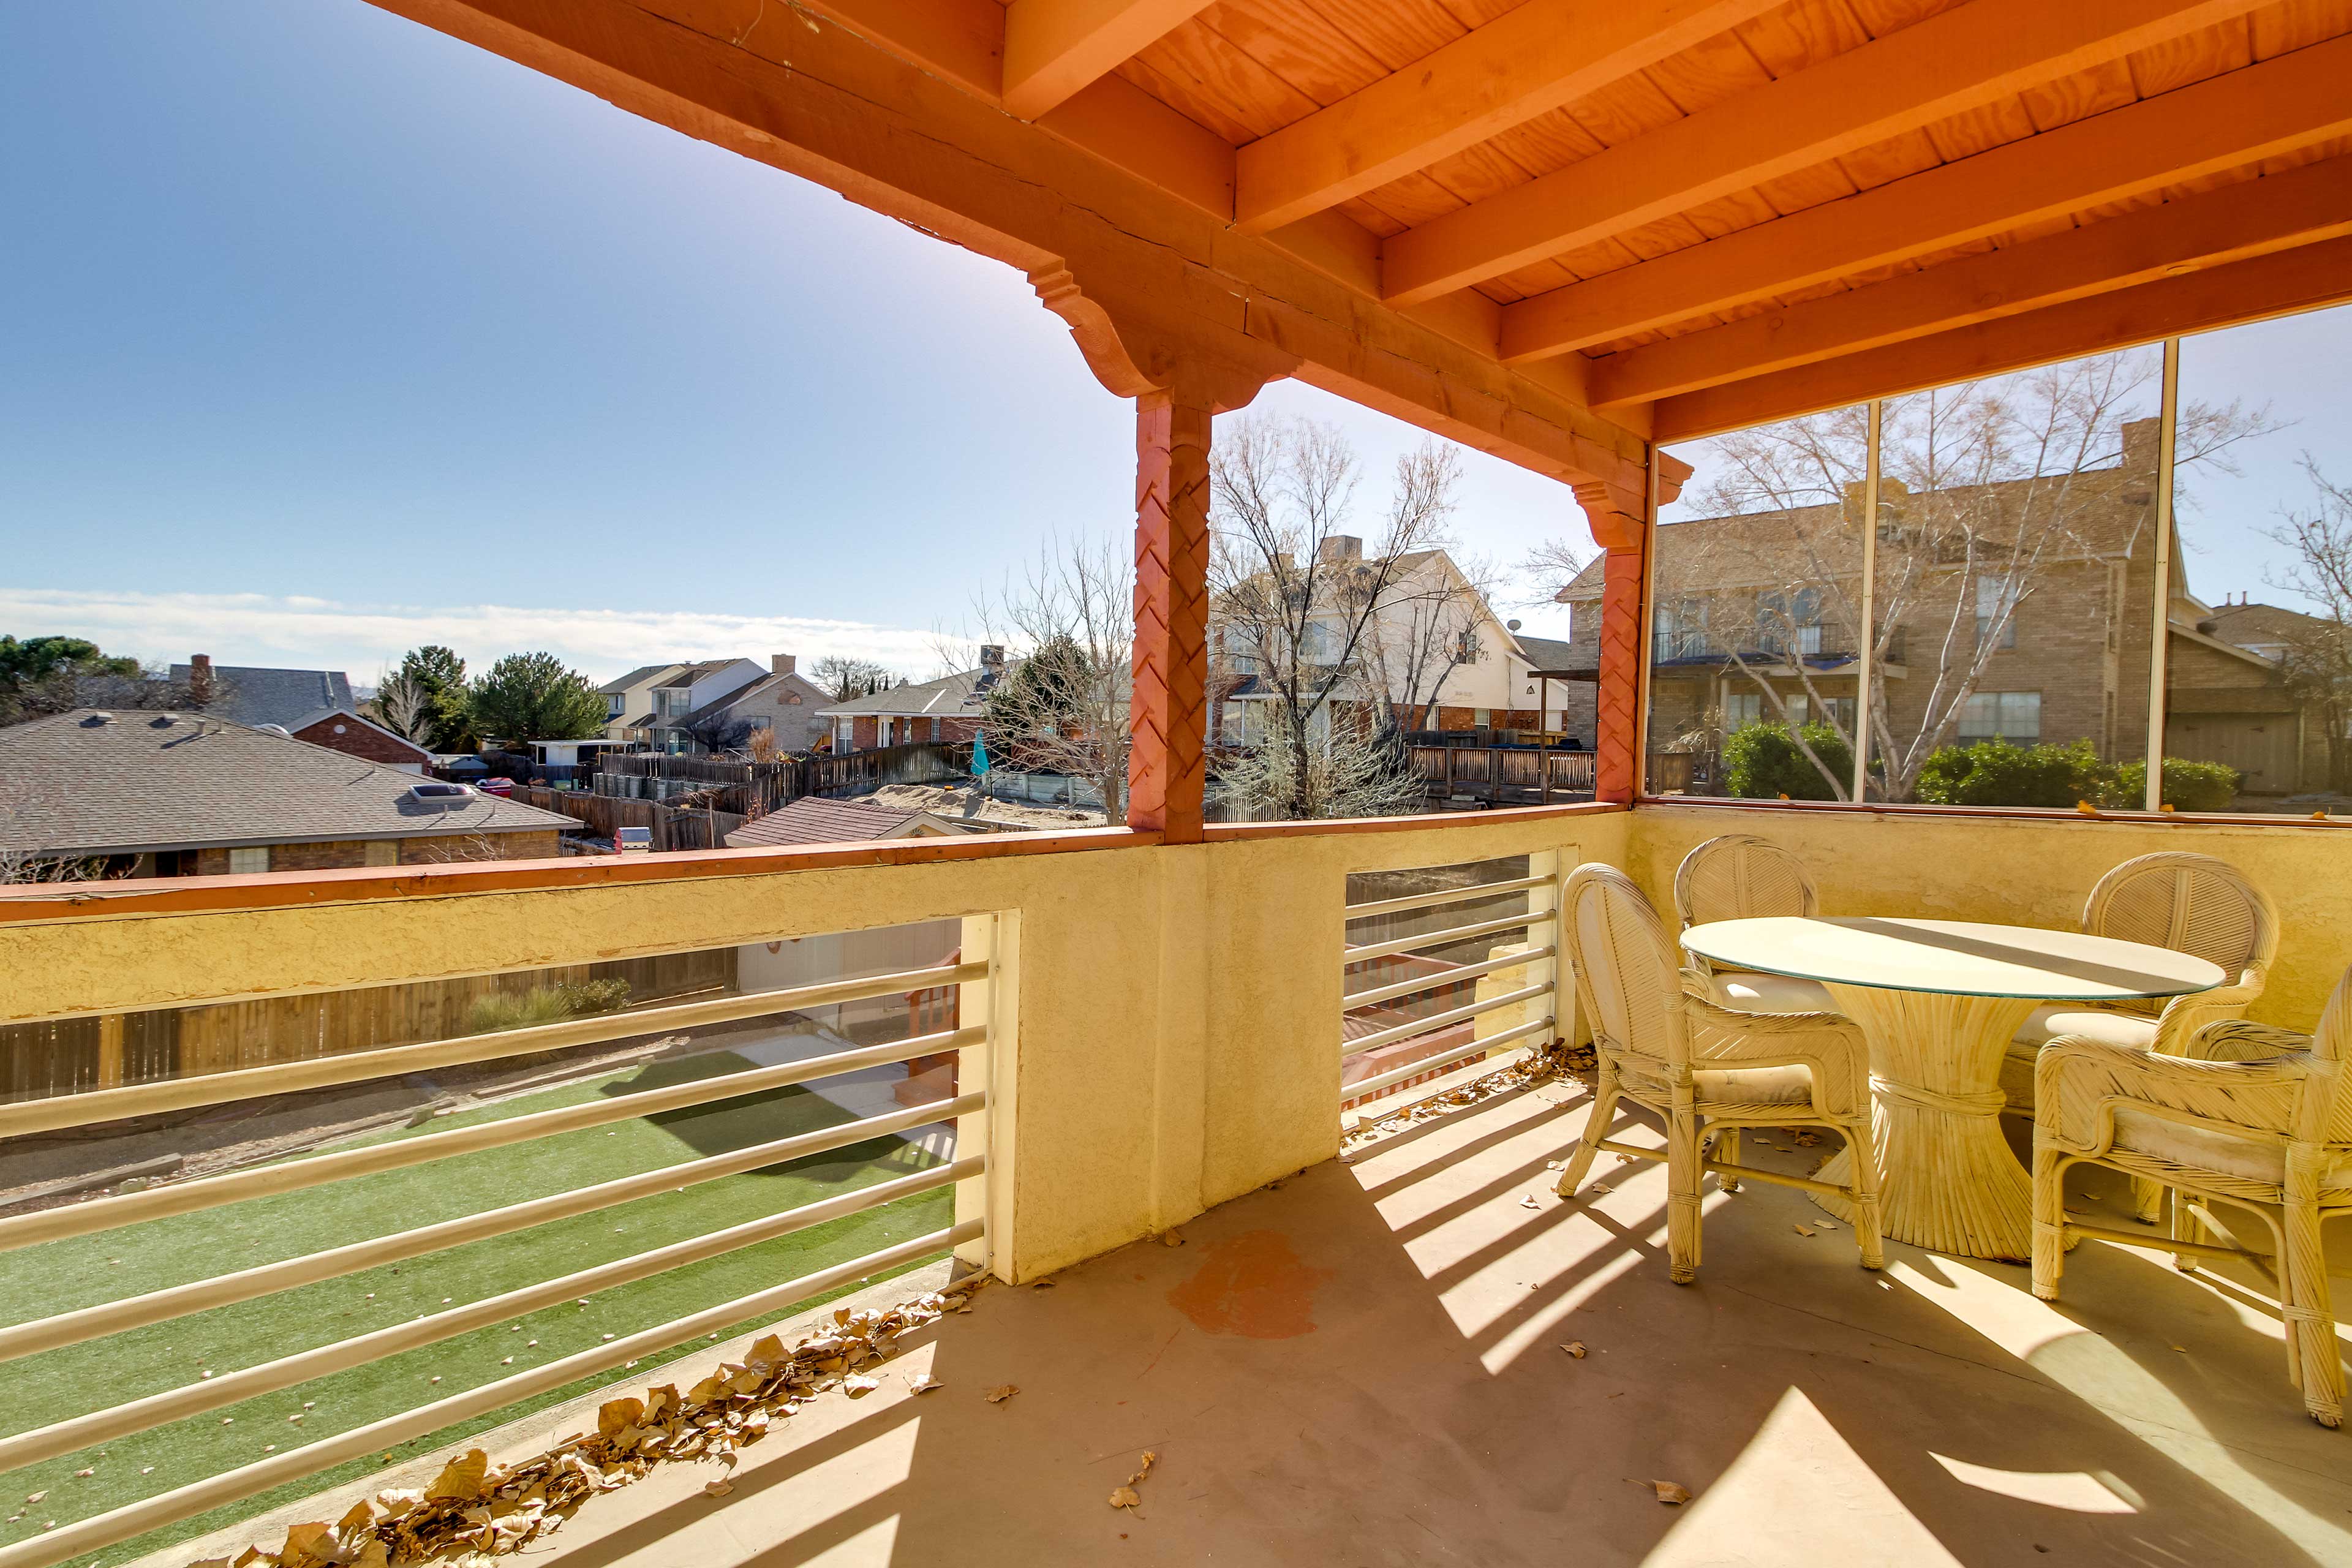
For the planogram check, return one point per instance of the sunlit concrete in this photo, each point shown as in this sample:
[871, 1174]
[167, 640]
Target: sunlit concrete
[1363, 1366]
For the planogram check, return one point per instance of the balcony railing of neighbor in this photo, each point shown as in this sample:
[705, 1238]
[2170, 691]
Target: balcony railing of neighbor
[941, 995]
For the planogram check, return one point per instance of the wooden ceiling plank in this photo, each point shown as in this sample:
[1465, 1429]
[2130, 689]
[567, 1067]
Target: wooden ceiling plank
[1539, 56]
[1055, 47]
[1295, 45]
[1983, 52]
[1395, 32]
[2306, 277]
[2180, 61]
[2291, 101]
[2228, 225]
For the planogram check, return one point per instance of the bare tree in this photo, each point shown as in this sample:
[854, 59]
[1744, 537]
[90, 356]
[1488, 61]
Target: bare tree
[1433, 629]
[1070, 614]
[2318, 656]
[1295, 599]
[847, 677]
[30, 807]
[1990, 490]
[406, 708]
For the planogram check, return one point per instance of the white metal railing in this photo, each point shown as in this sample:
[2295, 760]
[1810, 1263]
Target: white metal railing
[1543, 992]
[968, 1111]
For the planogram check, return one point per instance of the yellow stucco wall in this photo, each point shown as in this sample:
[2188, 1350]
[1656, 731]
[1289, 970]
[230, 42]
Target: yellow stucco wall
[1176, 1035]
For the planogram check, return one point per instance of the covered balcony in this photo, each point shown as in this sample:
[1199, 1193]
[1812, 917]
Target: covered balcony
[1187, 1191]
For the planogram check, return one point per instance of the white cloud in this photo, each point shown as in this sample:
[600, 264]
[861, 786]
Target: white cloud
[315, 634]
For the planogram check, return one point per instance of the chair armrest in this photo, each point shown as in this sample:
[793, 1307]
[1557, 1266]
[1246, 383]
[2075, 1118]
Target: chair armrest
[2183, 1016]
[2127, 1065]
[2240, 1040]
[2075, 1078]
[1725, 1033]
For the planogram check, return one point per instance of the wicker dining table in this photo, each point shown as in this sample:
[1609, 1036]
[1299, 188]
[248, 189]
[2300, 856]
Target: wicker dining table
[1939, 1002]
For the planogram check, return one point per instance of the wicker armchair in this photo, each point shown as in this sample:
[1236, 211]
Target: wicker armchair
[1740, 876]
[2254, 1116]
[2189, 903]
[1662, 1041]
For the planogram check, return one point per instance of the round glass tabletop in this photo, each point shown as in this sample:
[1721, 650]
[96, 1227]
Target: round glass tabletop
[1952, 958]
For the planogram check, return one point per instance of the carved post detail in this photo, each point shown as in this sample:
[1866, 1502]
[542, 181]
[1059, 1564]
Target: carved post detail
[1618, 525]
[1166, 767]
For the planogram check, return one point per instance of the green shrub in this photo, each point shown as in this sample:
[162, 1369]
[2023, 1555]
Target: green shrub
[1995, 773]
[544, 1005]
[1761, 761]
[2188, 786]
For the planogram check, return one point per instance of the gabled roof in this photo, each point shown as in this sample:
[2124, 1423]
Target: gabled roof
[78, 783]
[811, 820]
[638, 676]
[961, 694]
[766, 684]
[299, 725]
[247, 694]
[687, 674]
[1547, 654]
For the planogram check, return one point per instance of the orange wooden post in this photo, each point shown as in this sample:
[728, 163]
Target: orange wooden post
[1618, 526]
[1166, 769]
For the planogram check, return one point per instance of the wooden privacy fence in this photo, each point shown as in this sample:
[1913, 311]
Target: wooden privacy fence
[753, 788]
[674, 826]
[1501, 775]
[75, 1055]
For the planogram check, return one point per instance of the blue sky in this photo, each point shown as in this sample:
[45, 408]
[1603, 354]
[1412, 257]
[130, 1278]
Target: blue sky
[329, 335]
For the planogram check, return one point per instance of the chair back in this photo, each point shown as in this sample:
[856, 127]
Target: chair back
[2189, 903]
[1626, 977]
[1740, 876]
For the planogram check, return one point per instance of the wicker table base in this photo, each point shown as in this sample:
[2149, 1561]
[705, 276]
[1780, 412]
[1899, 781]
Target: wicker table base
[1946, 1177]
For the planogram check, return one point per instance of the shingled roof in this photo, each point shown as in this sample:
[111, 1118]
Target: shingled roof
[811, 820]
[249, 694]
[89, 781]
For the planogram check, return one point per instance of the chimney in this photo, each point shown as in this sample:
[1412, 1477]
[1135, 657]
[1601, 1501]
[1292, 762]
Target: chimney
[780, 664]
[992, 656]
[200, 679]
[1341, 547]
[2140, 438]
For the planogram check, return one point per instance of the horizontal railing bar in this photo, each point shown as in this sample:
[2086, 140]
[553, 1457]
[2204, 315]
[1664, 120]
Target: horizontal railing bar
[1453, 933]
[295, 1176]
[1398, 1075]
[199, 1496]
[287, 1371]
[356, 1067]
[1355, 999]
[1450, 896]
[1451, 1017]
[202, 1295]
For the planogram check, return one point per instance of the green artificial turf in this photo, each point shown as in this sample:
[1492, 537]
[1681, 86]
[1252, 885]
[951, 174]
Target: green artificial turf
[82, 1271]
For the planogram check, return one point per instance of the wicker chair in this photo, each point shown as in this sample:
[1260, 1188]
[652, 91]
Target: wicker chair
[1664, 1042]
[1738, 877]
[2247, 1114]
[2189, 903]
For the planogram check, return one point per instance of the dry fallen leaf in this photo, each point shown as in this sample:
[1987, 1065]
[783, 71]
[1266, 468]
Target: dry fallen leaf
[719, 1487]
[1171, 1239]
[1530, 1202]
[1041, 1285]
[1124, 1497]
[1575, 1348]
[1803, 1230]
[860, 1387]
[1672, 1492]
[923, 1383]
[998, 1396]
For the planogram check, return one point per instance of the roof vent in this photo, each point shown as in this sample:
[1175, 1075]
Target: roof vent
[101, 718]
[275, 730]
[437, 792]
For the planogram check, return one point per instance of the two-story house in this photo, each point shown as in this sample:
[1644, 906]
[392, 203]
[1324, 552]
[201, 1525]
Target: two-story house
[784, 703]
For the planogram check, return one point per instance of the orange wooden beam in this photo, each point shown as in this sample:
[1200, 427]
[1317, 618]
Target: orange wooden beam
[1167, 761]
[2250, 218]
[1524, 63]
[2277, 107]
[1055, 47]
[2282, 283]
[1958, 60]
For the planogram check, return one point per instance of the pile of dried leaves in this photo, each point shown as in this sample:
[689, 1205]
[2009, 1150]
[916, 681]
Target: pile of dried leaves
[1536, 1067]
[473, 1507]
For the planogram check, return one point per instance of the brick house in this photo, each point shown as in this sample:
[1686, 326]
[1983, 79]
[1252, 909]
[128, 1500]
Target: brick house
[341, 729]
[163, 794]
[784, 702]
[946, 709]
[2052, 582]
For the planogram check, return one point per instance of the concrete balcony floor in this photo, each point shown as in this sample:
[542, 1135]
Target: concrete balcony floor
[1363, 1366]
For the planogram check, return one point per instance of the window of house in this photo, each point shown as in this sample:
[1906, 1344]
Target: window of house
[242, 861]
[1680, 630]
[1741, 709]
[614, 706]
[2012, 716]
[384, 852]
[1993, 590]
